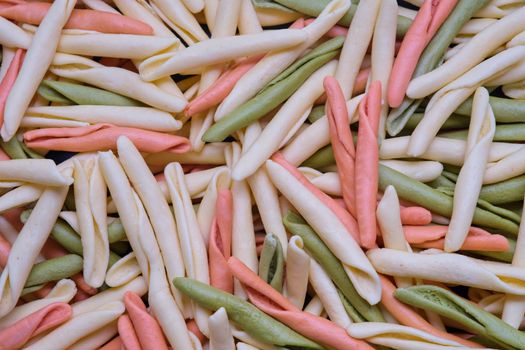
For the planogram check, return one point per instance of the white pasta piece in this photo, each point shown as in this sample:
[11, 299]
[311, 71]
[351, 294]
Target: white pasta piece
[248, 21]
[123, 271]
[420, 170]
[221, 337]
[79, 326]
[13, 36]
[219, 50]
[275, 62]
[450, 268]
[36, 63]
[38, 171]
[474, 52]
[297, 266]
[97, 338]
[330, 230]
[134, 117]
[277, 129]
[470, 179]
[119, 80]
[141, 11]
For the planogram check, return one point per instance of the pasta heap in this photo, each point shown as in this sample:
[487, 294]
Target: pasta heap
[262, 174]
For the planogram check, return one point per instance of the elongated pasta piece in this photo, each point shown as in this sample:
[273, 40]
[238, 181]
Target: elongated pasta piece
[98, 338]
[219, 50]
[135, 117]
[29, 242]
[475, 51]
[119, 80]
[123, 271]
[158, 210]
[38, 59]
[79, 326]
[12, 35]
[275, 62]
[447, 99]
[297, 266]
[90, 202]
[142, 12]
[449, 268]
[276, 130]
[331, 231]
[470, 179]
[424, 171]
[38, 171]
[221, 337]
[191, 240]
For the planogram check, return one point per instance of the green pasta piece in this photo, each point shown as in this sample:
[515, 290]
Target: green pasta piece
[68, 238]
[54, 269]
[316, 113]
[431, 56]
[505, 110]
[121, 247]
[272, 5]
[455, 121]
[350, 309]
[276, 92]
[32, 289]
[271, 262]
[116, 231]
[253, 321]
[333, 267]
[442, 182]
[450, 175]
[454, 307]
[504, 133]
[320, 159]
[16, 149]
[82, 95]
[314, 7]
[438, 202]
[507, 191]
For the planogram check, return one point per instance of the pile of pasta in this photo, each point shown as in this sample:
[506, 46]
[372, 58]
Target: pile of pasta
[262, 174]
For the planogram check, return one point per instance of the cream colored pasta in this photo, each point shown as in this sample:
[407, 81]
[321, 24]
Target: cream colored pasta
[356, 43]
[327, 182]
[90, 202]
[117, 80]
[471, 28]
[191, 240]
[328, 294]
[206, 212]
[123, 271]
[243, 234]
[450, 268]
[420, 170]
[297, 266]
[141, 11]
[506, 168]
[514, 306]
[248, 21]
[12, 35]
[276, 130]
[175, 14]
[516, 91]
[383, 47]
[316, 136]
[219, 50]
[163, 304]
[499, 8]
[62, 292]
[446, 100]
[97, 338]
[36, 62]
[79, 326]
[468, 185]
[221, 337]
[274, 17]
[27, 246]
[275, 62]
[38, 171]
[157, 208]
[315, 306]
[19, 196]
[100, 5]
[389, 221]
[7, 57]
[474, 52]
[135, 117]
[122, 194]
[400, 337]
[117, 45]
[225, 25]
[194, 6]
[138, 286]
[330, 230]
[246, 338]
[444, 150]
[40, 122]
